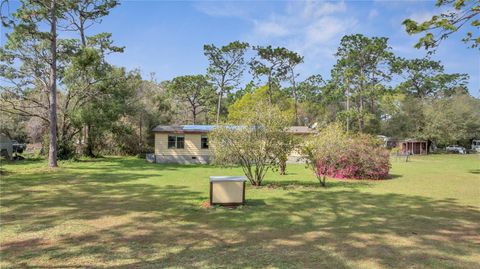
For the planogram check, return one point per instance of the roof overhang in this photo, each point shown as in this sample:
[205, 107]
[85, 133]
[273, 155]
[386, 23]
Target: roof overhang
[204, 129]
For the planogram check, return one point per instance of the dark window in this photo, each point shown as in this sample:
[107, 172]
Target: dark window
[204, 142]
[176, 142]
[171, 141]
[180, 142]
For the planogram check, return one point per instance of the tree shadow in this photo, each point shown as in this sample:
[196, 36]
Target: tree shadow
[314, 184]
[393, 176]
[86, 221]
[115, 163]
[474, 171]
[255, 202]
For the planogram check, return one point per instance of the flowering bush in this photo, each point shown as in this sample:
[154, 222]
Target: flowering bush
[334, 153]
[362, 157]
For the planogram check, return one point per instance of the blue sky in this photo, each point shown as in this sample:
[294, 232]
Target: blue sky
[167, 37]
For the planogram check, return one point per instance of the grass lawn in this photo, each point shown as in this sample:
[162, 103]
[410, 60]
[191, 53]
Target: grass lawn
[125, 213]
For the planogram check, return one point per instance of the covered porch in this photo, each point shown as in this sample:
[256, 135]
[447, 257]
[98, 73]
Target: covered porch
[413, 147]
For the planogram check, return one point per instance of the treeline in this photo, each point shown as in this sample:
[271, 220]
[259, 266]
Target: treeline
[61, 91]
[370, 90]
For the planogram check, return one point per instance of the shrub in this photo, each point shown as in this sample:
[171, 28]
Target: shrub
[335, 154]
[363, 158]
[325, 150]
[256, 144]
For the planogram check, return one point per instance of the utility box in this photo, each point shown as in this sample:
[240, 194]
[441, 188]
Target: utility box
[227, 190]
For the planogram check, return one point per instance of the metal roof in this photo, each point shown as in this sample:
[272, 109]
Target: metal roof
[183, 128]
[168, 128]
[413, 140]
[209, 128]
[198, 128]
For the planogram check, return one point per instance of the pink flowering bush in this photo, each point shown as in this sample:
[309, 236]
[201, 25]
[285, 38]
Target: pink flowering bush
[362, 157]
[334, 153]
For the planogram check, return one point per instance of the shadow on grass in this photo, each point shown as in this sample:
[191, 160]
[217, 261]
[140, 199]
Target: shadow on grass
[255, 202]
[313, 184]
[4, 172]
[27, 160]
[475, 171]
[134, 225]
[115, 163]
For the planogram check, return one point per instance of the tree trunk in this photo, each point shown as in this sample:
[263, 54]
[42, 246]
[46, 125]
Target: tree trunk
[88, 147]
[82, 32]
[295, 100]
[258, 180]
[348, 110]
[323, 181]
[194, 114]
[360, 109]
[283, 168]
[89, 142]
[322, 177]
[140, 141]
[52, 88]
[219, 104]
[361, 122]
[270, 98]
[295, 97]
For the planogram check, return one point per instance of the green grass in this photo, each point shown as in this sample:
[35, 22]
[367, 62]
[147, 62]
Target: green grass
[125, 213]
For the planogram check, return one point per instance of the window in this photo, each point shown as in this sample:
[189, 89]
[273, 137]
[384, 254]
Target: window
[204, 142]
[171, 142]
[176, 142]
[180, 142]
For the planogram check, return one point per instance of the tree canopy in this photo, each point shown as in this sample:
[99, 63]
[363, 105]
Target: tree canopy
[226, 67]
[459, 14]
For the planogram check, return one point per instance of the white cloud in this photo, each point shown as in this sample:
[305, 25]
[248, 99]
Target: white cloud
[315, 9]
[312, 29]
[373, 14]
[270, 29]
[325, 29]
[306, 27]
[223, 9]
[421, 16]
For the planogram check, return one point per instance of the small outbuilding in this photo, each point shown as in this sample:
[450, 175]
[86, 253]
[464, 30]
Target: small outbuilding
[413, 146]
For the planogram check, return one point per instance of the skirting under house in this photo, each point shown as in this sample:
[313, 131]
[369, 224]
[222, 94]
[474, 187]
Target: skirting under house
[182, 159]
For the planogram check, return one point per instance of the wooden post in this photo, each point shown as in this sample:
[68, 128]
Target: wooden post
[243, 194]
[211, 190]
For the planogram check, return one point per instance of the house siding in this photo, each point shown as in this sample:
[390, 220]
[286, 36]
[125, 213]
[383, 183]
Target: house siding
[191, 153]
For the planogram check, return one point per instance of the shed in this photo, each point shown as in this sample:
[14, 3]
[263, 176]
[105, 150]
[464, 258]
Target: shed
[413, 146]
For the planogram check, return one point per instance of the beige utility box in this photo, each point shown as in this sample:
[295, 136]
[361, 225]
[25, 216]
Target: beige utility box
[227, 190]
